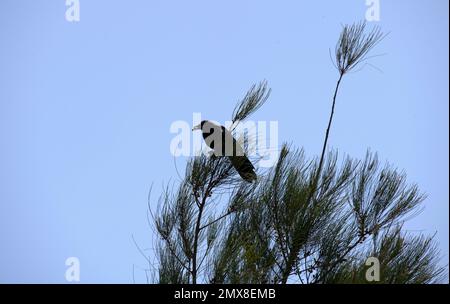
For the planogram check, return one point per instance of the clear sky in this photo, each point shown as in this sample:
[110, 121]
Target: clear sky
[85, 111]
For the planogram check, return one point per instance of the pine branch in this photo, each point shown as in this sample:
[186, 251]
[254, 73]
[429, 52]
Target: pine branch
[252, 101]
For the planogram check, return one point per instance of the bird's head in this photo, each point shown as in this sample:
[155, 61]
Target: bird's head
[199, 126]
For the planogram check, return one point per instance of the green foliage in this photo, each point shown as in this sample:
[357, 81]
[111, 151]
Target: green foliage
[404, 259]
[354, 44]
[274, 234]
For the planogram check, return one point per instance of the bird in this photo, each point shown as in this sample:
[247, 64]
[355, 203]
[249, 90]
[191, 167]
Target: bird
[222, 142]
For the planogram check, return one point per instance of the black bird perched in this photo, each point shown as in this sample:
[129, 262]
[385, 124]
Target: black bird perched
[222, 142]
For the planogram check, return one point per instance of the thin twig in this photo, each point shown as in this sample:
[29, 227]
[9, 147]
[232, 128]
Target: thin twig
[217, 219]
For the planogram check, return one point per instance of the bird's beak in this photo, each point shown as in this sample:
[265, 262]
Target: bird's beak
[197, 127]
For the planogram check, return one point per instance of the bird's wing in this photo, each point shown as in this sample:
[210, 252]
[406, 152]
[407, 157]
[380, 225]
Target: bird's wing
[244, 167]
[224, 144]
[238, 159]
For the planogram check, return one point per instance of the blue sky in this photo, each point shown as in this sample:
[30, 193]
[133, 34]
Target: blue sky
[85, 111]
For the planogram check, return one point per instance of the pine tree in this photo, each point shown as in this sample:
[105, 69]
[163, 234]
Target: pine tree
[304, 220]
